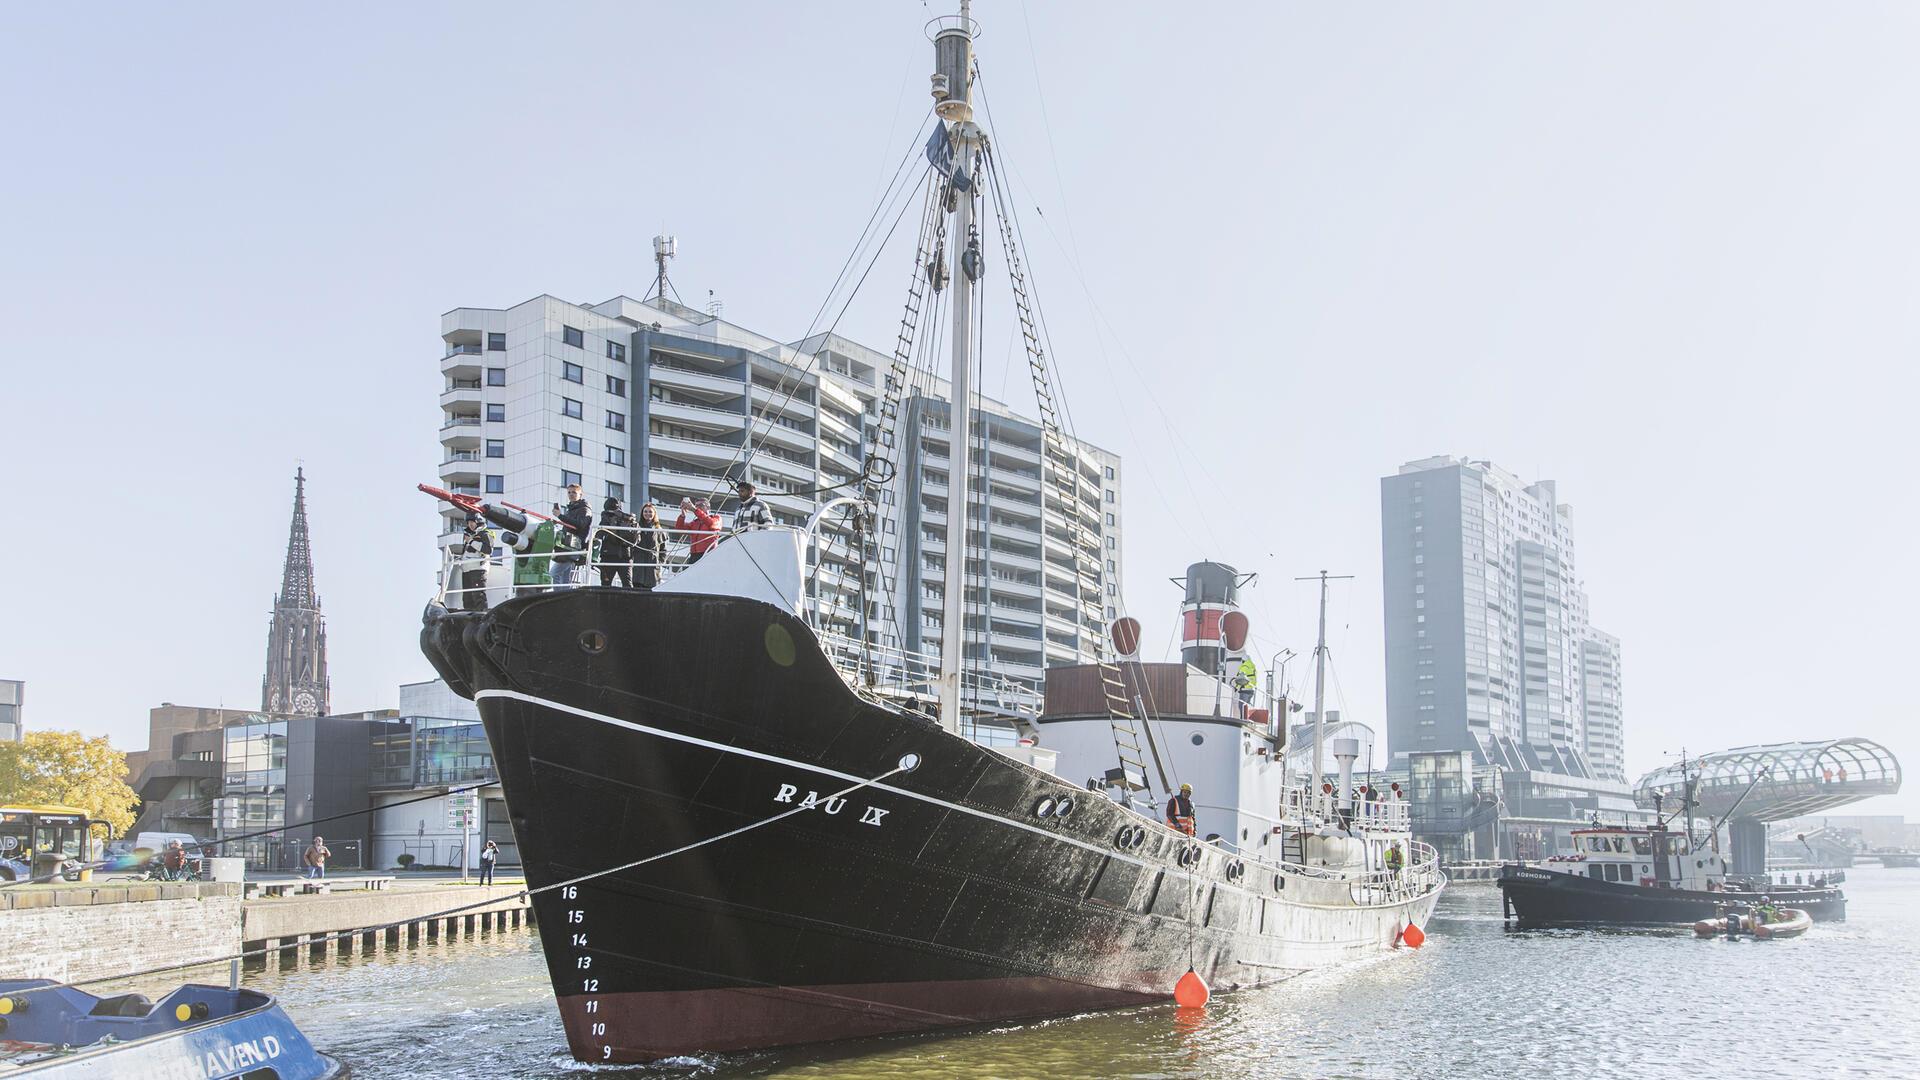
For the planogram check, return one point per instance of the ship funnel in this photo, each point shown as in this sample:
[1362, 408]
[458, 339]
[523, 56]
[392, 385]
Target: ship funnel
[1212, 626]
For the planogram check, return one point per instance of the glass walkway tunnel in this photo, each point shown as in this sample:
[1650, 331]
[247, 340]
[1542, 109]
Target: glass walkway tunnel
[1786, 780]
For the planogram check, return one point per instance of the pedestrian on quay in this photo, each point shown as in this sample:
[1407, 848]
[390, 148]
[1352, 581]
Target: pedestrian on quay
[576, 521]
[698, 519]
[488, 856]
[315, 858]
[617, 529]
[649, 547]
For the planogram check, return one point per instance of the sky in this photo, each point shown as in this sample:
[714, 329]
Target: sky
[1665, 255]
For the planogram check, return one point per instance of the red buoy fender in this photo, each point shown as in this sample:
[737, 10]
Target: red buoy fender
[1191, 991]
[1413, 936]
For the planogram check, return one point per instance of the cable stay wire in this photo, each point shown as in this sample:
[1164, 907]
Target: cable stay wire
[751, 445]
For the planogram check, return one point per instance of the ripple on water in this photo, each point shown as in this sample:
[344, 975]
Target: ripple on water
[1478, 1001]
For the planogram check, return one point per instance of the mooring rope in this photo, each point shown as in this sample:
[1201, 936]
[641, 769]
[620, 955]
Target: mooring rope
[907, 764]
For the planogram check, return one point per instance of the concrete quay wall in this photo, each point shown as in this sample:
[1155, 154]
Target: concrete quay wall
[88, 932]
[298, 917]
[83, 932]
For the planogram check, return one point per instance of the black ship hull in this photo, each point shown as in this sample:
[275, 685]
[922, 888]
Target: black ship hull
[626, 724]
[1550, 898]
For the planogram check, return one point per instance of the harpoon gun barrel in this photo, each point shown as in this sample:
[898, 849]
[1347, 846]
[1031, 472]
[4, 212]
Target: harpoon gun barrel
[505, 516]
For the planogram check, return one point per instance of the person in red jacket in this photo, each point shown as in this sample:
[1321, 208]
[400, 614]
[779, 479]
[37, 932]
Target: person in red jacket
[704, 523]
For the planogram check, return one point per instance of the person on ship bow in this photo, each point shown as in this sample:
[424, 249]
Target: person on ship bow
[618, 530]
[476, 547]
[753, 512]
[1180, 811]
[576, 519]
[704, 524]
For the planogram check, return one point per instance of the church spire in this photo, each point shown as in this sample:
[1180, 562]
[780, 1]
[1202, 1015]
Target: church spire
[296, 581]
[296, 681]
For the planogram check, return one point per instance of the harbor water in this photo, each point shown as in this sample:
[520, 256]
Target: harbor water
[1480, 1000]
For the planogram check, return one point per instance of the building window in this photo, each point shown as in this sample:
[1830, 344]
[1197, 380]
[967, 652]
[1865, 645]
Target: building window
[1113, 542]
[496, 343]
[568, 477]
[496, 484]
[1110, 495]
[571, 409]
[1110, 611]
[1111, 520]
[1111, 568]
[616, 490]
[496, 414]
[1112, 589]
[616, 456]
[616, 386]
[616, 351]
[569, 444]
[572, 336]
[573, 372]
[496, 376]
[616, 421]
[497, 448]
[1109, 472]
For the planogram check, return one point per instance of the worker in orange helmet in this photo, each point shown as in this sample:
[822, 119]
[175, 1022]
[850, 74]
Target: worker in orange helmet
[1180, 811]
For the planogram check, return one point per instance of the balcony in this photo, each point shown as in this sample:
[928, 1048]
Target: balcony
[689, 378]
[710, 417]
[461, 467]
[769, 431]
[460, 433]
[462, 362]
[778, 401]
[461, 397]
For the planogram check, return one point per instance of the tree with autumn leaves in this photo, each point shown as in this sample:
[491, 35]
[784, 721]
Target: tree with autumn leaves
[68, 769]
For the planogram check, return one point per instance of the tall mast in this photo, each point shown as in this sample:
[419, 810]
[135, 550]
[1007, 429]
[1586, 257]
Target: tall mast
[1320, 678]
[953, 93]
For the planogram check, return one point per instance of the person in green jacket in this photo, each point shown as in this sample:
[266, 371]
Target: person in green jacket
[1245, 679]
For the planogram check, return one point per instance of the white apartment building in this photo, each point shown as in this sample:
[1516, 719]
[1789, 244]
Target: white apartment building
[1600, 678]
[655, 400]
[1486, 622]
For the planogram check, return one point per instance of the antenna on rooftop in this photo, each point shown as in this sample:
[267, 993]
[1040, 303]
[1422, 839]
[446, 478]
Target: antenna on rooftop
[664, 248]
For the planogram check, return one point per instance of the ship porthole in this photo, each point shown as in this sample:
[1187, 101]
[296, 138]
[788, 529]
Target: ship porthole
[1279, 883]
[1198, 738]
[909, 762]
[1043, 807]
[1139, 836]
[1125, 839]
[1064, 808]
[779, 645]
[593, 642]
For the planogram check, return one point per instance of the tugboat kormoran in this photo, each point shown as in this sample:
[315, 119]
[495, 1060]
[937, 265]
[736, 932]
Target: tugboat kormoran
[1644, 876]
